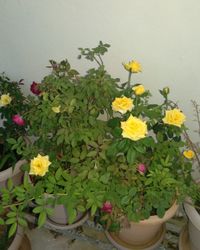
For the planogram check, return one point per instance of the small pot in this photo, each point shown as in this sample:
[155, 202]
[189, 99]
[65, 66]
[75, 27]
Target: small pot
[146, 234]
[15, 173]
[60, 215]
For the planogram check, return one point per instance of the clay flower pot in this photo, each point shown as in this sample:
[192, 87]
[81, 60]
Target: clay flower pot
[146, 234]
[59, 218]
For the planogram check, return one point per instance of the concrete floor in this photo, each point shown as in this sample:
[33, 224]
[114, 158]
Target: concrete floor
[91, 237]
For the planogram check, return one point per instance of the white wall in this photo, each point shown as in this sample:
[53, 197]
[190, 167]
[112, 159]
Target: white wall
[163, 35]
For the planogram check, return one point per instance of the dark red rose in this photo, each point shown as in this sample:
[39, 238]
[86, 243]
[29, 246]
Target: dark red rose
[35, 88]
[107, 207]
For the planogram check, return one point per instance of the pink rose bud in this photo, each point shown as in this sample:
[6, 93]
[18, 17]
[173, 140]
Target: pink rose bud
[34, 88]
[18, 120]
[107, 207]
[141, 168]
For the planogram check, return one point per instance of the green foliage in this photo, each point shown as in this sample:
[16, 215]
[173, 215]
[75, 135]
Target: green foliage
[72, 122]
[9, 131]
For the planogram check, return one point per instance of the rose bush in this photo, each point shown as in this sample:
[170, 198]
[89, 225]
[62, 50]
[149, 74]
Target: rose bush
[148, 164]
[13, 105]
[129, 163]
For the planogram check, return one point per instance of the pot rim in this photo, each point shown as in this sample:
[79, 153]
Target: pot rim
[154, 219]
[192, 213]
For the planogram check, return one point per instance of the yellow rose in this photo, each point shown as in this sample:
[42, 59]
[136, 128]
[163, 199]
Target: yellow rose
[174, 117]
[5, 100]
[122, 104]
[189, 154]
[139, 89]
[56, 109]
[133, 67]
[134, 128]
[39, 165]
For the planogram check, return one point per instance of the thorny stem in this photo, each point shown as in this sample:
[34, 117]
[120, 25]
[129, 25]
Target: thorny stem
[129, 79]
[100, 59]
[97, 61]
[19, 203]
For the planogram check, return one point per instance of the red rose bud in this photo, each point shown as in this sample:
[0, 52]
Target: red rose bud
[141, 168]
[107, 207]
[34, 88]
[18, 120]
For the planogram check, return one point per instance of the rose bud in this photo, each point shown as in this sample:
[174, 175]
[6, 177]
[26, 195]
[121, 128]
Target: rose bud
[35, 88]
[141, 168]
[18, 120]
[107, 207]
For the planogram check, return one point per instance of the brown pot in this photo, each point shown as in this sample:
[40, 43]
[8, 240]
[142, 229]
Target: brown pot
[144, 234]
[59, 219]
[60, 215]
[15, 173]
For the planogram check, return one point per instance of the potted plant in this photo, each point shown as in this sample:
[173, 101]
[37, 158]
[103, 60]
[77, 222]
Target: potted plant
[67, 142]
[192, 204]
[148, 171]
[13, 128]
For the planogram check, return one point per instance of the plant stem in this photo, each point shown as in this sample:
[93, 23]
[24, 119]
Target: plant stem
[129, 79]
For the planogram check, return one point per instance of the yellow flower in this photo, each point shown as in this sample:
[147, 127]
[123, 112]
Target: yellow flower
[122, 104]
[139, 89]
[134, 128]
[133, 67]
[5, 100]
[56, 109]
[189, 154]
[174, 117]
[39, 165]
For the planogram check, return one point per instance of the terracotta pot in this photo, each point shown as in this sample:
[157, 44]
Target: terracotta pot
[15, 173]
[60, 215]
[193, 226]
[59, 218]
[146, 234]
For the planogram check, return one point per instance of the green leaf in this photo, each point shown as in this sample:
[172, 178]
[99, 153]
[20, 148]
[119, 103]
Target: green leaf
[10, 184]
[12, 229]
[125, 200]
[140, 149]
[58, 174]
[93, 209]
[74, 160]
[2, 221]
[115, 122]
[11, 220]
[81, 208]
[42, 219]
[117, 132]
[38, 209]
[22, 222]
[112, 150]
[11, 214]
[92, 154]
[71, 213]
[131, 156]
[11, 141]
[160, 211]
[105, 178]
